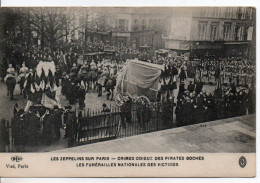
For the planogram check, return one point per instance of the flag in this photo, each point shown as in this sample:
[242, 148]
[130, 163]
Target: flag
[48, 102]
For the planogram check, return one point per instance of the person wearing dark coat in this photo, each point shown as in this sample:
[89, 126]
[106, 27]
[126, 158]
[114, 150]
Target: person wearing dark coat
[105, 108]
[18, 130]
[48, 128]
[182, 75]
[81, 96]
[199, 87]
[33, 126]
[72, 92]
[178, 112]
[72, 128]
[251, 100]
[140, 112]
[15, 111]
[57, 113]
[126, 112]
[66, 119]
[233, 88]
[191, 87]
[4, 136]
[181, 90]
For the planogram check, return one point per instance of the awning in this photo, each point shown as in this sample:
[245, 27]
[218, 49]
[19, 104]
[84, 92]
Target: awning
[162, 51]
[145, 46]
[235, 43]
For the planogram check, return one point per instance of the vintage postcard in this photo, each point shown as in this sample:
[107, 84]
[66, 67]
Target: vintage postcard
[128, 91]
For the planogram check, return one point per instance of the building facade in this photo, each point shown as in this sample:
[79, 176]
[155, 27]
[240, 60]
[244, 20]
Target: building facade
[224, 31]
[135, 27]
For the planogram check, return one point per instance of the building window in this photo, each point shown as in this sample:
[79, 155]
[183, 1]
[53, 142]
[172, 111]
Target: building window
[202, 30]
[228, 12]
[227, 28]
[143, 24]
[242, 13]
[215, 12]
[123, 25]
[214, 31]
[154, 23]
[239, 33]
[245, 33]
[150, 23]
[203, 11]
[248, 13]
[136, 25]
[117, 25]
[126, 25]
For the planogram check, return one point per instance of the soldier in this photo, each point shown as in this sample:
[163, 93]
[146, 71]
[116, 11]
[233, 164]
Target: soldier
[10, 72]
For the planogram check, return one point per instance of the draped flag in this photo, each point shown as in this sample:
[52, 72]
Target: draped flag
[139, 78]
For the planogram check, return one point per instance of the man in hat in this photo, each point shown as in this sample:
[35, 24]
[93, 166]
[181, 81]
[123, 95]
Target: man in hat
[191, 87]
[81, 95]
[199, 87]
[66, 119]
[105, 108]
[33, 126]
[57, 113]
[181, 90]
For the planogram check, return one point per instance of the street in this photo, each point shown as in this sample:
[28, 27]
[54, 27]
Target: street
[92, 102]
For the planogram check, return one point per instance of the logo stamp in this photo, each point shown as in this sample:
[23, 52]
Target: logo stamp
[16, 158]
[242, 162]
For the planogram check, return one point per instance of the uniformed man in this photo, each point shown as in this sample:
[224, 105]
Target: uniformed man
[10, 72]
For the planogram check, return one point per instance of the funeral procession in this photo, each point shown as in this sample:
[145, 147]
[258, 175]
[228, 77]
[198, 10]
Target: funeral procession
[79, 77]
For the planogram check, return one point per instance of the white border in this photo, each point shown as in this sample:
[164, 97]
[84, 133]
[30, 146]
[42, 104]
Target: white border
[129, 2]
[78, 3]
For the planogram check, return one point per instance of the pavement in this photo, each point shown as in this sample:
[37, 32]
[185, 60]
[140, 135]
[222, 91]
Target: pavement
[231, 135]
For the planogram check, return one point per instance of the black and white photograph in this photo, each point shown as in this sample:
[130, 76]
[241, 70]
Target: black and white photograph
[128, 80]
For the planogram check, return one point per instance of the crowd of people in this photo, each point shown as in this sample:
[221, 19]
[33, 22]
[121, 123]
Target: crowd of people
[199, 106]
[41, 126]
[78, 72]
[236, 70]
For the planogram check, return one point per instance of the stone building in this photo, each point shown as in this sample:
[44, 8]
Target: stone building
[206, 31]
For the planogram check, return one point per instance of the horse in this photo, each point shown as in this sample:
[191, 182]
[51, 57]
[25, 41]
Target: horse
[10, 83]
[21, 84]
[93, 78]
[89, 78]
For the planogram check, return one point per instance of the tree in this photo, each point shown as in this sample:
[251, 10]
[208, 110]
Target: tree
[52, 24]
